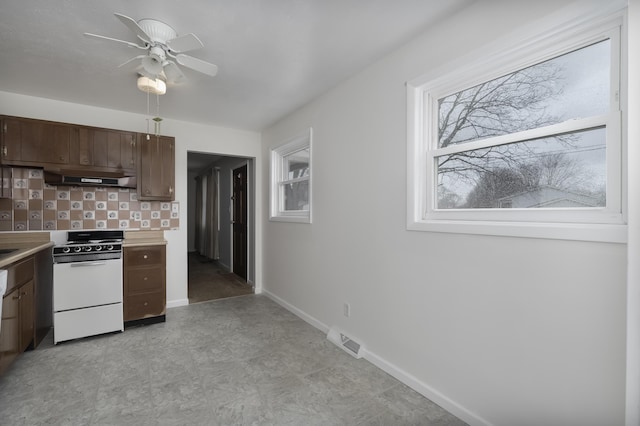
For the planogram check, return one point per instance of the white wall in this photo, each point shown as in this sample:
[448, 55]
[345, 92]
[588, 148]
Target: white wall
[503, 331]
[633, 291]
[189, 137]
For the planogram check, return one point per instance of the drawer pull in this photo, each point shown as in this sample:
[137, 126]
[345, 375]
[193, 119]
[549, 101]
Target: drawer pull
[145, 303]
[145, 278]
[145, 256]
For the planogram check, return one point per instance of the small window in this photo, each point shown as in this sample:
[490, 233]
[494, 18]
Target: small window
[291, 180]
[530, 137]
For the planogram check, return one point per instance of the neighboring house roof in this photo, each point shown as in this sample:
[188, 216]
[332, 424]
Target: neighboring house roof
[548, 196]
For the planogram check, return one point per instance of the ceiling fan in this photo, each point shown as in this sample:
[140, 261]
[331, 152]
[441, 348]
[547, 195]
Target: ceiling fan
[164, 49]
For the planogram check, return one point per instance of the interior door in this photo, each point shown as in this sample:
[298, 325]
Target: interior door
[240, 221]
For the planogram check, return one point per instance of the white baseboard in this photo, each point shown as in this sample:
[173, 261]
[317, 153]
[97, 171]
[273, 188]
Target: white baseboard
[391, 369]
[425, 390]
[177, 302]
[303, 315]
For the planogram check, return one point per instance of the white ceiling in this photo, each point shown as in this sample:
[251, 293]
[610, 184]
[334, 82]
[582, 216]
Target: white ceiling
[273, 55]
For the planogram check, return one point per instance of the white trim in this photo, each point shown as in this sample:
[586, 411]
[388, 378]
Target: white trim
[553, 231]
[386, 366]
[569, 126]
[589, 224]
[302, 141]
[632, 386]
[298, 312]
[425, 390]
[294, 219]
[176, 303]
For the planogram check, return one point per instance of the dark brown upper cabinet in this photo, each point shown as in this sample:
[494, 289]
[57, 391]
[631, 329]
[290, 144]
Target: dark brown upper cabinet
[156, 175]
[27, 142]
[60, 147]
[105, 150]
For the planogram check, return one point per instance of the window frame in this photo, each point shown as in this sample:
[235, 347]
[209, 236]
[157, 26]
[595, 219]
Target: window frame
[279, 156]
[604, 224]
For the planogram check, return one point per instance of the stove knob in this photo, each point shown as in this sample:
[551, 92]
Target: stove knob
[109, 247]
[77, 249]
[66, 249]
[87, 248]
[98, 248]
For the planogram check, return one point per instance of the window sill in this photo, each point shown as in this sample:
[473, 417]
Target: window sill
[605, 233]
[295, 219]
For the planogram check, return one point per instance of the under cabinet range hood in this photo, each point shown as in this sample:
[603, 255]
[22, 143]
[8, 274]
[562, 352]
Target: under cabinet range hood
[88, 179]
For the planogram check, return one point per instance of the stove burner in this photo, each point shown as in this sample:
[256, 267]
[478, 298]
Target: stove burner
[89, 246]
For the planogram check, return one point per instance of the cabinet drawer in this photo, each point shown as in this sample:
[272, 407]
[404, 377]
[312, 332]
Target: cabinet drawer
[19, 274]
[145, 280]
[143, 306]
[141, 256]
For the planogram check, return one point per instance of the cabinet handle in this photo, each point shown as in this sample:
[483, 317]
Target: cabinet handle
[4, 150]
[170, 189]
[18, 297]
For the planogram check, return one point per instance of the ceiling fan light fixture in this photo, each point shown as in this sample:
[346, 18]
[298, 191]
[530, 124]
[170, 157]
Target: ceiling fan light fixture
[149, 85]
[152, 65]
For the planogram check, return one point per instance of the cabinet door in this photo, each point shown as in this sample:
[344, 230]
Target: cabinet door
[11, 140]
[144, 256]
[26, 315]
[144, 282]
[10, 329]
[156, 168]
[128, 151]
[144, 305]
[28, 142]
[114, 150]
[82, 152]
[44, 142]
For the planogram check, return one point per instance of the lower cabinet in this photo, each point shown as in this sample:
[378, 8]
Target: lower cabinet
[17, 328]
[144, 283]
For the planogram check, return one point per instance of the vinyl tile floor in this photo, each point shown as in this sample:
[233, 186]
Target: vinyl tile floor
[236, 361]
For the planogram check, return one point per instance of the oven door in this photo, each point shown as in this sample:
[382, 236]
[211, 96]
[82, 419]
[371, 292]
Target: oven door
[85, 284]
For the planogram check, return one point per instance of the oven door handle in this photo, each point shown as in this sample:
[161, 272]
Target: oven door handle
[79, 264]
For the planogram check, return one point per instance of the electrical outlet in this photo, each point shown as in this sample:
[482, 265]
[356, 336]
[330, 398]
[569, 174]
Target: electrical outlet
[347, 310]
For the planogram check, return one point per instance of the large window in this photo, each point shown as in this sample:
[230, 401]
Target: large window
[526, 138]
[291, 180]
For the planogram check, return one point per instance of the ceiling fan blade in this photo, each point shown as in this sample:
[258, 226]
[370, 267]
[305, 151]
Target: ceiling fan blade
[133, 26]
[197, 64]
[128, 43]
[173, 72]
[131, 60]
[185, 43]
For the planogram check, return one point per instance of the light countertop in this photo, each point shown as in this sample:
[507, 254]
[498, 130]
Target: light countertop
[143, 238]
[25, 243]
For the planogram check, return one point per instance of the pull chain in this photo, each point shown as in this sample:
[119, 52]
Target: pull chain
[148, 115]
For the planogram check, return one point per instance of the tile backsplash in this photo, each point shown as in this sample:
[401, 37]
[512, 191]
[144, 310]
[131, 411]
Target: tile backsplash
[37, 206]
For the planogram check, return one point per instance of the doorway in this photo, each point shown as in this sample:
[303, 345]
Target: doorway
[220, 245]
[240, 221]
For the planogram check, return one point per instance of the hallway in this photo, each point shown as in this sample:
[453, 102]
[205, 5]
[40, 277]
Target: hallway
[209, 280]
